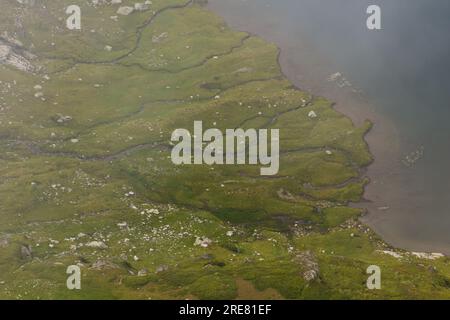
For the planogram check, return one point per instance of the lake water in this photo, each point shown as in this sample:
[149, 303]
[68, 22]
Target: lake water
[403, 74]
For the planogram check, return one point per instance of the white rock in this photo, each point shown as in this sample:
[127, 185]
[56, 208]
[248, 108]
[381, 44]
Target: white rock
[97, 244]
[122, 225]
[428, 256]
[312, 114]
[125, 10]
[392, 253]
[202, 242]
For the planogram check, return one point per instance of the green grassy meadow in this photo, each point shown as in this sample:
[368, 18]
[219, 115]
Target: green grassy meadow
[104, 174]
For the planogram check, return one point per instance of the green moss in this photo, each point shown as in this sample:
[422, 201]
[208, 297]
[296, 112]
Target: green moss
[106, 175]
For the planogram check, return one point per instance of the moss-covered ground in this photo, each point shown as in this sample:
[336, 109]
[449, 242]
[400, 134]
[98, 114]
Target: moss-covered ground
[104, 173]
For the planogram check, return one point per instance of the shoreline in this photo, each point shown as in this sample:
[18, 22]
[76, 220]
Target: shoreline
[311, 73]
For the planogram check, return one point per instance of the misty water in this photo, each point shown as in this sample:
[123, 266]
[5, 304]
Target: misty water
[403, 71]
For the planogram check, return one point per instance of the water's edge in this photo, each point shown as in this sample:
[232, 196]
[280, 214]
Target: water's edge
[310, 74]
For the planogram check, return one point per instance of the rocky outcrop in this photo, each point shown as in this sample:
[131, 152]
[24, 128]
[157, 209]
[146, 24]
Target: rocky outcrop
[309, 265]
[12, 54]
[97, 244]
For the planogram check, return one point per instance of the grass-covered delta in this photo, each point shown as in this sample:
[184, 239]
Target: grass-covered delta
[86, 177]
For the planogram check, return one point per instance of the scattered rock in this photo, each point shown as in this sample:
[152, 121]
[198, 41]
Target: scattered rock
[141, 6]
[25, 252]
[122, 225]
[27, 2]
[392, 253]
[142, 272]
[162, 268]
[158, 39]
[4, 242]
[202, 242]
[62, 119]
[96, 244]
[428, 256]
